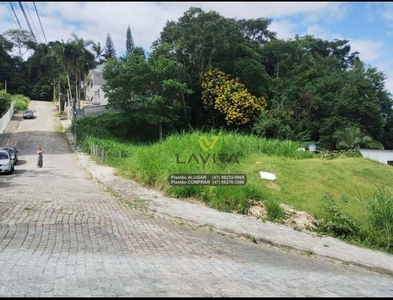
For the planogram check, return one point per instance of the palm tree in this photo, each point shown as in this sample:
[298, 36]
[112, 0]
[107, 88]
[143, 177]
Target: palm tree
[56, 57]
[354, 138]
[78, 60]
[98, 51]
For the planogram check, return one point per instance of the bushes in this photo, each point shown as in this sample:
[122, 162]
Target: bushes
[5, 102]
[21, 102]
[377, 231]
[118, 125]
[335, 222]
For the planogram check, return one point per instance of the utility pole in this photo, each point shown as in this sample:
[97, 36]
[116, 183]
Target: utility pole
[5, 86]
[75, 129]
[74, 112]
[60, 102]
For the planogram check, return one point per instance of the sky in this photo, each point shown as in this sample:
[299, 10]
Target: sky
[367, 26]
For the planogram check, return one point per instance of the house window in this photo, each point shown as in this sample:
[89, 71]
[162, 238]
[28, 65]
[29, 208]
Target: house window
[390, 162]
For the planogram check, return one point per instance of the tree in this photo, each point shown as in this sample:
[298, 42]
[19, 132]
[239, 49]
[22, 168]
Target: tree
[23, 40]
[230, 97]
[98, 52]
[129, 42]
[354, 138]
[41, 68]
[109, 51]
[256, 30]
[165, 92]
[5, 60]
[203, 40]
[318, 87]
[149, 89]
[125, 82]
[77, 59]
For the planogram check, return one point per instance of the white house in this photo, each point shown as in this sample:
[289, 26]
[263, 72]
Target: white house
[94, 82]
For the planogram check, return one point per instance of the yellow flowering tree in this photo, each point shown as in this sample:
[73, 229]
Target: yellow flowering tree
[229, 97]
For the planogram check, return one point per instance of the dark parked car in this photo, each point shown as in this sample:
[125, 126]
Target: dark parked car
[28, 114]
[13, 152]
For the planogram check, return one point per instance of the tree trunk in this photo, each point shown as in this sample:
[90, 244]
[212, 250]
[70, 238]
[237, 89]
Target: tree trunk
[54, 89]
[70, 92]
[160, 130]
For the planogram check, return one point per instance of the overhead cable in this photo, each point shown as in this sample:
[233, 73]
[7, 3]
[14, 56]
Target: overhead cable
[16, 16]
[32, 21]
[27, 21]
[39, 19]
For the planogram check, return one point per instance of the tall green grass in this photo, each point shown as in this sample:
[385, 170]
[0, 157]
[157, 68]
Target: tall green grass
[379, 214]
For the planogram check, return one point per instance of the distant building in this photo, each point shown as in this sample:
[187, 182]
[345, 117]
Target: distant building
[94, 82]
[383, 156]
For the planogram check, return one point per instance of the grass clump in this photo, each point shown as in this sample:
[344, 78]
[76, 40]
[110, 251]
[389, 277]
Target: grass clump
[274, 210]
[379, 214]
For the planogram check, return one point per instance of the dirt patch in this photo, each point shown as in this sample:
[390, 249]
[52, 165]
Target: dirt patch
[274, 186]
[295, 219]
[299, 220]
[257, 210]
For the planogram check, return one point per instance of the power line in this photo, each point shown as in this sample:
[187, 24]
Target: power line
[32, 22]
[39, 19]
[10, 11]
[27, 21]
[16, 16]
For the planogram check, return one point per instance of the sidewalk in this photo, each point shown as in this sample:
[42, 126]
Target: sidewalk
[241, 225]
[6, 136]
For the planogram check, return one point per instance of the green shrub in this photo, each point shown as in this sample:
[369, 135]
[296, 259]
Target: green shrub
[335, 222]
[21, 102]
[5, 101]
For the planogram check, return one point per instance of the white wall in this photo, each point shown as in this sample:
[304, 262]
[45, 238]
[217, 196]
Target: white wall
[382, 156]
[6, 118]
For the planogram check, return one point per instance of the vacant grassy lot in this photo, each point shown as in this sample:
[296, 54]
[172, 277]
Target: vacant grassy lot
[303, 178]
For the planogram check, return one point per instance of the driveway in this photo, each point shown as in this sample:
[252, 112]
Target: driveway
[62, 234]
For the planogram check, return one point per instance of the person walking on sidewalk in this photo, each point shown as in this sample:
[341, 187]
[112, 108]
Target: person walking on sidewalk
[40, 157]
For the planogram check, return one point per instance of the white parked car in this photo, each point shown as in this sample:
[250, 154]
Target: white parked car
[6, 162]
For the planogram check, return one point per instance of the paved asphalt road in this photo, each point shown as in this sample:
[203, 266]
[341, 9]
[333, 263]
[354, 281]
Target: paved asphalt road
[63, 235]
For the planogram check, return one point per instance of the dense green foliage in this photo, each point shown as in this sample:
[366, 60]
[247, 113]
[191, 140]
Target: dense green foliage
[5, 101]
[21, 102]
